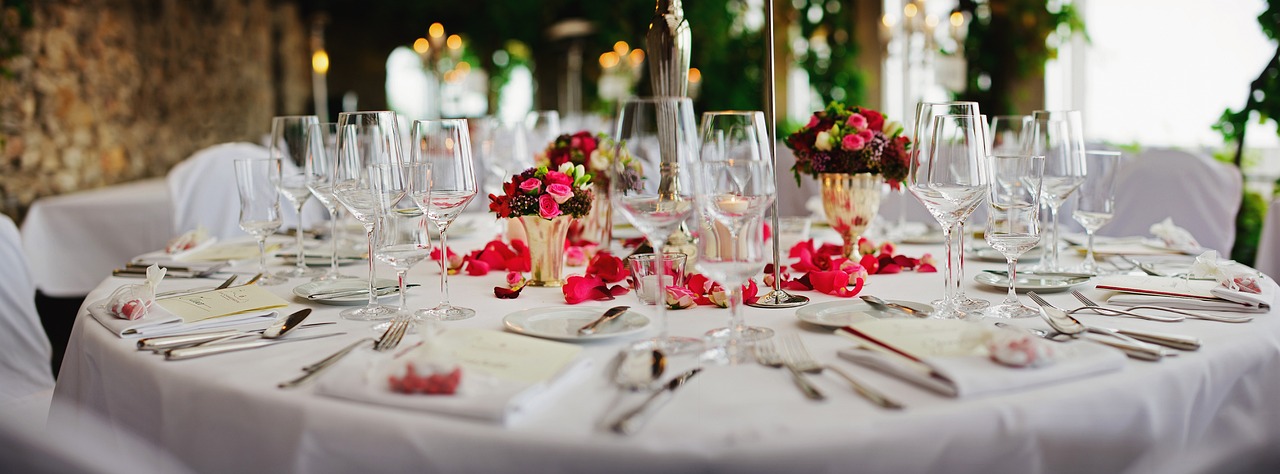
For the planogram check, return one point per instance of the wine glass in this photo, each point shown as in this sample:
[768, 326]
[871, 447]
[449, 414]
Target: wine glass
[1096, 199]
[402, 240]
[1058, 137]
[291, 141]
[1009, 134]
[654, 144]
[922, 136]
[1013, 220]
[365, 139]
[734, 185]
[319, 170]
[951, 180]
[257, 180]
[541, 127]
[446, 146]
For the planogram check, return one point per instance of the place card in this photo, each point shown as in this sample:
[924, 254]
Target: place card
[225, 302]
[509, 356]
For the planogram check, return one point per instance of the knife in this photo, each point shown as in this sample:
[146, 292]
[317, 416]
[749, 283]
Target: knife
[201, 351]
[160, 343]
[381, 291]
[609, 315]
[1005, 273]
[1176, 341]
[634, 419]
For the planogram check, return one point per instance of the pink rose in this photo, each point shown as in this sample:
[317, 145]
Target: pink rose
[514, 278]
[531, 185]
[813, 121]
[679, 297]
[852, 143]
[556, 177]
[887, 248]
[866, 136]
[560, 192]
[548, 207]
[857, 121]
[575, 257]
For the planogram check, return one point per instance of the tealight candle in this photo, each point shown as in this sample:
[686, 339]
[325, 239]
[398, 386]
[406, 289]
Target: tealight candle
[733, 204]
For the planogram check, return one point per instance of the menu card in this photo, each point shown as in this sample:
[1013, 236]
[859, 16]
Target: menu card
[212, 304]
[509, 356]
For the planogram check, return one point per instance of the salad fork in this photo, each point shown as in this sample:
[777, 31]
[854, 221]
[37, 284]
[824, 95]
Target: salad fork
[1089, 304]
[388, 341]
[767, 355]
[798, 357]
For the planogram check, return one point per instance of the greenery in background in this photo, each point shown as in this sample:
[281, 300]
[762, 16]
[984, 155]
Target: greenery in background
[831, 53]
[1262, 104]
[15, 17]
[1008, 41]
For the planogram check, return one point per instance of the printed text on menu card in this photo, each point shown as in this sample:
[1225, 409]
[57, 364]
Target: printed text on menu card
[225, 302]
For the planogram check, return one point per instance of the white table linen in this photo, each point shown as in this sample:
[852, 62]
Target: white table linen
[24, 348]
[1210, 410]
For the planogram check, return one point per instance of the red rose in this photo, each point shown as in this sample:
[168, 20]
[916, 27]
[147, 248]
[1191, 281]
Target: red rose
[875, 120]
[609, 268]
[556, 177]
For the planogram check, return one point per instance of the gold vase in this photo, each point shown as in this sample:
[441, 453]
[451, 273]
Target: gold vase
[546, 248]
[597, 226]
[851, 202]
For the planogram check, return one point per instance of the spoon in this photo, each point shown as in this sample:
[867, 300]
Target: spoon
[1064, 323]
[609, 315]
[276, 330]
[883, 305]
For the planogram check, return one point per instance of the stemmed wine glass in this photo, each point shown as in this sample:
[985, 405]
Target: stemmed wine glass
[257, 180]
[402, 240]
[654, 144]
[319, 171]
[1058, 137]
[445, 145]
[1009, 134]
[365, 139]
[734, 185]
[922, 136]
[1096, 199]
[1013, 220]
[540, 127]
[291, 140]
[951, 180]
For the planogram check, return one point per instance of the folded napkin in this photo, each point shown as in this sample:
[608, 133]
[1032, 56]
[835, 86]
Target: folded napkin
[159, 322]
[952, 368]
[484, 393]
[1179, 293]
[1175, 237]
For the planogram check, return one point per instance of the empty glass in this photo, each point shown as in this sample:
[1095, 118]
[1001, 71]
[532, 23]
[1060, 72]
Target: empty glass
[541, 127]
[257, 181]
[319, 171]
[365, 139]
[402, 241]
[1009, 134]
[645, 272]
[1013, 221]
[1096, 199]
[1057, 136]
[445, 145]
[291, 140]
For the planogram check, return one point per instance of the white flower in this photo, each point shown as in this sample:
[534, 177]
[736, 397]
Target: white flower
[598, 161]
[892, 129]
[565, 167]
[823, 141]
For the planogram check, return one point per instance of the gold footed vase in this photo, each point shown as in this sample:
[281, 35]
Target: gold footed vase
[546, 248]
[850, 201]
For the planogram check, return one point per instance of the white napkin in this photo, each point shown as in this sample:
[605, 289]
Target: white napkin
[159, 322]
[1176, 237]
[479, 396]
[1202, 295]
[974, 375]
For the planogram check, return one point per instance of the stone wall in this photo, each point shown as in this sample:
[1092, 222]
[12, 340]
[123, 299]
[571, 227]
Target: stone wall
[107, 91]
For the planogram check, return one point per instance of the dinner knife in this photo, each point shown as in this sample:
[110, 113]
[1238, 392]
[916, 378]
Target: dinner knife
[201, 351]
[634, 419]
[609, 315]
[160, 343]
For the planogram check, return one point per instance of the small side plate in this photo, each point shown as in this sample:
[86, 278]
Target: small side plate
[562, 323]
[838, 314]
[307, 289]
[1031, 282]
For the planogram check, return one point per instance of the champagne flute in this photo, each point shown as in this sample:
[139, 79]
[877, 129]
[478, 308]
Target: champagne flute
[649, 183]
[734, 185]
[1096, 199]
[291, 140]
[445, 145]
[319, 170]
[1058, 137]
[922, 135]
[402, 241]
[1013, 221]
[257, 180]
[951, 180]
[365, 139]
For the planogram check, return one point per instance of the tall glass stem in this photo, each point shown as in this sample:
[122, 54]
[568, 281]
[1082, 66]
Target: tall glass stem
[373, 296]
[333, 237]
[1012, 297]
[737, 327]
[444, 269]
[952, 283]
[660, 289]
[1051, 248]
[302, 260]
[262, 255]
[1090, 264]
[400, 281]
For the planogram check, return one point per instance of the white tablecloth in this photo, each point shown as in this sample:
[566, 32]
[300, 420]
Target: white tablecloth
[1207, 411]
[74, 239]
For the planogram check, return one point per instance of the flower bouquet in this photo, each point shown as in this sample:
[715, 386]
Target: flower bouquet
[851, 151]
[592, 152]
[545, 202]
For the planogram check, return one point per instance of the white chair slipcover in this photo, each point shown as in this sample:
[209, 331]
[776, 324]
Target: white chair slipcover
[1200, 194]
[26, 376]
[1269, 245]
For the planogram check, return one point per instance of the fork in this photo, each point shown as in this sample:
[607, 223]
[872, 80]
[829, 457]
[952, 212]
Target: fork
[1211, 317]
[1090, 305]
[387, 341]
[768, 355]
[798, 356]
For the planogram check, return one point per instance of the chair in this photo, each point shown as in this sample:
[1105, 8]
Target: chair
[1201, 195]
[203, 188]
[1268, 261]
[26, 375]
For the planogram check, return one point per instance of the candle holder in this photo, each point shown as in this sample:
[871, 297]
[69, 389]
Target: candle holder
[644, 273]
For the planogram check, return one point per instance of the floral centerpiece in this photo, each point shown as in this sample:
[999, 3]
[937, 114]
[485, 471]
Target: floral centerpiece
[851, 151]
[593, 152]
[545, 201]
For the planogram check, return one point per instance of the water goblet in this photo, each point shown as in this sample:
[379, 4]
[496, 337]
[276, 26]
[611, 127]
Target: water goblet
[1013, 221]
[444, 145]
[1096, 199]
[291, 141]
[365, 139]
[1057, 136]
[319, 170]
[257, 180]
[402, 241]
[1009, 133]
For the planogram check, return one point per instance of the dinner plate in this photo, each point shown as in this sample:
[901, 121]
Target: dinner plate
[988, 254]
[838, 314]
[307, 289]
[562, 323]
[1031, 282]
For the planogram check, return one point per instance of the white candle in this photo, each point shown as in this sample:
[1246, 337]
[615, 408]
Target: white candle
[648, 282]
[733, 204]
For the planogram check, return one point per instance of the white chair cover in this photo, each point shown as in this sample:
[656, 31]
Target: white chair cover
[1268, 261]
[1201, 195]
[25, 353]
[204, 192]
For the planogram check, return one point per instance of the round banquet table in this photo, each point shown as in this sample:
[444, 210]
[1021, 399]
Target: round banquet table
[1207, 411]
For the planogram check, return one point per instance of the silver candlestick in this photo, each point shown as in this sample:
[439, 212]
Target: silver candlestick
[778, 298]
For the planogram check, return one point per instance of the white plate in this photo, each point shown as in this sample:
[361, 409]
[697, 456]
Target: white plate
[1041, 283]
[988, 254]
[838, 314]
[562, 323]
[307, 289]
[930, 237]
